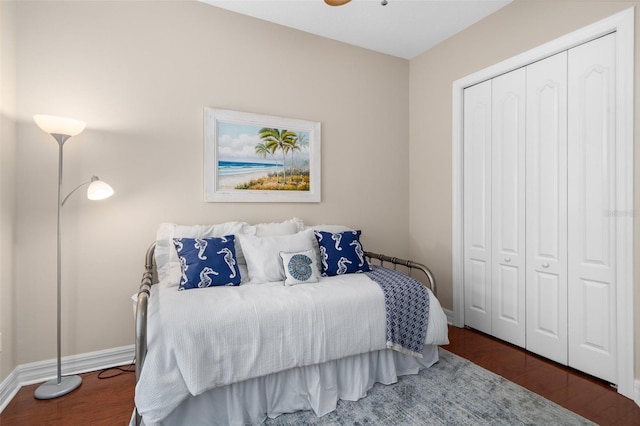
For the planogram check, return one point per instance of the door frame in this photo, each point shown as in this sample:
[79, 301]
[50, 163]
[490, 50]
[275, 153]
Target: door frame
[622, 24]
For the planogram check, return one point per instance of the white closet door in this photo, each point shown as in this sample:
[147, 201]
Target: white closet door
[508, 207]
[546, 223]
[477, 206]
[591, 167]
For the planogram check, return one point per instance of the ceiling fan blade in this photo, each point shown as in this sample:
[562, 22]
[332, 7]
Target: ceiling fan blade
[336, 2]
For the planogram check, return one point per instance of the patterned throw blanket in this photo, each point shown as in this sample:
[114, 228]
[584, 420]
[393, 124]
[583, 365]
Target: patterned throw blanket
[407, 305]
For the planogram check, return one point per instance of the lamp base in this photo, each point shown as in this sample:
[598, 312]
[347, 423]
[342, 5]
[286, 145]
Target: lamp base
[53, 389]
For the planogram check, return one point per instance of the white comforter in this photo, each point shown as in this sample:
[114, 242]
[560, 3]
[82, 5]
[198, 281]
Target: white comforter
[215, 337]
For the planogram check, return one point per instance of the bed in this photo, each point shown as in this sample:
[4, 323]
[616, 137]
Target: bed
[280, 317]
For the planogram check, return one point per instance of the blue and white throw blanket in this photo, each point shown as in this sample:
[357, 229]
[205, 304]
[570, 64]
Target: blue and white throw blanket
[407, 305]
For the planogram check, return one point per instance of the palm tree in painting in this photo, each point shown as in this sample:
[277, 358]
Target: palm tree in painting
[276, 139]
[262, 150]
[302, 142]
[295, 146]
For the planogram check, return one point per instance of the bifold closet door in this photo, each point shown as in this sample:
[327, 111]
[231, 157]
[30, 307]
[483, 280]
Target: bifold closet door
[477, 206]
[540, 207]
[546, 198]
[592, 184]
[508, 206]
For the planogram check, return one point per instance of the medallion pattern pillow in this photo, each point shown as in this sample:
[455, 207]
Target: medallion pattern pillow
[341, 253]
[299, 267]
[207, 262]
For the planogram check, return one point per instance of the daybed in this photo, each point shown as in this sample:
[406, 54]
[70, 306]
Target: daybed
[274, 318]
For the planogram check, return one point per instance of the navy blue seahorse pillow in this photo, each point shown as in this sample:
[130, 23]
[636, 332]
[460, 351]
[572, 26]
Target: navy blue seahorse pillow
[207, 262]
[341, 253]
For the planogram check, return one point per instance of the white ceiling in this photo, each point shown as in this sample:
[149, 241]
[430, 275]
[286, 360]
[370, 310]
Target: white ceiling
[402, 28]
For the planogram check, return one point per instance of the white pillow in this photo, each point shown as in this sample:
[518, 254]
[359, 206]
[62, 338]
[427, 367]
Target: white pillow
[334, 229]
[167, 262]
[288, 227]
[263, 254]
[299, 267]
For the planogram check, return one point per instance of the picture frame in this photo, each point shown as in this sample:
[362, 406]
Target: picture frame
[260, 158]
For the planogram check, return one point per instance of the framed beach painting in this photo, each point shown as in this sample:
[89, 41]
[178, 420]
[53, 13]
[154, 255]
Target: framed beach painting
[260, 158]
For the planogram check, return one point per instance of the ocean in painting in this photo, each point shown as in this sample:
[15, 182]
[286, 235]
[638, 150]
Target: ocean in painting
[230, 168]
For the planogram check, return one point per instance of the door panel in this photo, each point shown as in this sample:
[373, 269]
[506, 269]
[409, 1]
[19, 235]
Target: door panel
[546, 198]
[546, 310]
[508, 206]
[477, 206]
[591, 173]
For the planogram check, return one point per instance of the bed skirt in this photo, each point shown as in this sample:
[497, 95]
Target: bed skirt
[316, 387]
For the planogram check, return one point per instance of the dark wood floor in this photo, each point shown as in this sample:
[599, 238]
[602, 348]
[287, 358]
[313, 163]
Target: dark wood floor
[583, 394]
[97, 402]
[109, 402]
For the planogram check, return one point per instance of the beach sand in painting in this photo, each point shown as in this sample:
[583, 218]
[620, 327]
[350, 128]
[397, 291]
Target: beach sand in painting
[229, 182]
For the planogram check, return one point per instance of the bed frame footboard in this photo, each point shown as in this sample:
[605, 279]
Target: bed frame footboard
[149, 279]
[409, 264]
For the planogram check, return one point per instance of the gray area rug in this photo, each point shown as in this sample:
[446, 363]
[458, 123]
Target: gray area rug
[452, 392]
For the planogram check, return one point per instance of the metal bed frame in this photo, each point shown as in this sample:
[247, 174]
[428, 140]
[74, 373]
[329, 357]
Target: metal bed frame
[149, 278]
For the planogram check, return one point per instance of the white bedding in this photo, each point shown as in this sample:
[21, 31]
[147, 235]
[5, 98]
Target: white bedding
[316, 387]
[297, 326]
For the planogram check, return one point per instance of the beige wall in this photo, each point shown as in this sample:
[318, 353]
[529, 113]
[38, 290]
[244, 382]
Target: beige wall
[140, 74]
[7, 182]
[518, 27]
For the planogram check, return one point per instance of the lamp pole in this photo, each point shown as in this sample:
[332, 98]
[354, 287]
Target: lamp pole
[60, 385]
[61, 140]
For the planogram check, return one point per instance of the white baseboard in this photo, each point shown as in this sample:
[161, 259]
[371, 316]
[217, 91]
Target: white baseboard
[8, 389]
[41, 371]
[449, 315]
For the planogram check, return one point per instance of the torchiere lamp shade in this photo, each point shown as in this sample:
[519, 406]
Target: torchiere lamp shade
[55, 125]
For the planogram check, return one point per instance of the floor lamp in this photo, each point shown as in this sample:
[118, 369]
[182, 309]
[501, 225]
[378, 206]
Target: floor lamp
[62, 129]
